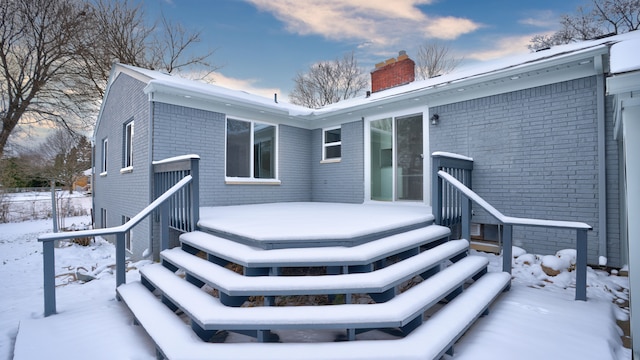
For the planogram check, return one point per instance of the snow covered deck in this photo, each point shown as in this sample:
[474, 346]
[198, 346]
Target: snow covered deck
[306, 224]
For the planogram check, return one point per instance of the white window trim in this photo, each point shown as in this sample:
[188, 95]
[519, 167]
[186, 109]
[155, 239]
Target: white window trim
[127, 161]
[105, 153]
[251, 180]
[425, 146]
[326, 160]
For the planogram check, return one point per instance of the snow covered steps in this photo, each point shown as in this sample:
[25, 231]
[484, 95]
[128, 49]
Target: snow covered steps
[194, 290]
[232, 284]
[175, 340]
[219, 250]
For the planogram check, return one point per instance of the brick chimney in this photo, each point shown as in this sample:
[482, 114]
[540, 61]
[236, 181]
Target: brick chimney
[393, 72]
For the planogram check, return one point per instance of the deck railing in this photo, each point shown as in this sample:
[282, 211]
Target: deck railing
[49, 239]
[508, 222]
[184, 207]
[447, 203]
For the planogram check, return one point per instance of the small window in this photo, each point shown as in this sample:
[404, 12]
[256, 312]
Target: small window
[105, 148]
[251, 150]
[127, 235]
[332, 144]
[103, 218]
[128, 145]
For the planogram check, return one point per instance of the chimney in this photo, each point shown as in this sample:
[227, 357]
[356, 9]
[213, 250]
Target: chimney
[393, 72]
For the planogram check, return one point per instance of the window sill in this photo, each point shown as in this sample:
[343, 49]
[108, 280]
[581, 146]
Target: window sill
[330, 161]
[103, 174]
[248, 181]
[126, 170]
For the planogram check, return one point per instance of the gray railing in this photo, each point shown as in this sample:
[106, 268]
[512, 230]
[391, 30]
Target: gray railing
[120, 231]
[446, 201]
[184, 207]
[508, 222]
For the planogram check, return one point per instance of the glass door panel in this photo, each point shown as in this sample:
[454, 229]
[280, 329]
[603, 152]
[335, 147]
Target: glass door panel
[409, 158]
[382, 160]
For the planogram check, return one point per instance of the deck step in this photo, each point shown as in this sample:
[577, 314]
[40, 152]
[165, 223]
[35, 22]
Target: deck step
[363, 254]
[175, 340]
[208, 313]
[234, 284]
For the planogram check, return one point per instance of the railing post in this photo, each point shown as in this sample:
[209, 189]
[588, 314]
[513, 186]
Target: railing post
[164, 225]
[195, 193]
[507, 237]
[48, 260]
[436, 191]
[120, 259]
[581, 264]
[466, 217]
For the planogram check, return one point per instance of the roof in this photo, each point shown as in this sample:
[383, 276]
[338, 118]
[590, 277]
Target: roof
[514, 67]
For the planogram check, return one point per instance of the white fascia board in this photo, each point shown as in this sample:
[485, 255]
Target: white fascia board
[623, 83]
[542, 72]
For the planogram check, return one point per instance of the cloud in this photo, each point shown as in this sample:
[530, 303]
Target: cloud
[380, 23]
[449, 28]
[505, 46]
[248, 85]
[542, 19]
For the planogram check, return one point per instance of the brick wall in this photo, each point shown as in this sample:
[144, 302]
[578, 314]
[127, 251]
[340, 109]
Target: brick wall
[392, 73]
[180, 130]
[124, 194]
[535, 155]
[339, 181]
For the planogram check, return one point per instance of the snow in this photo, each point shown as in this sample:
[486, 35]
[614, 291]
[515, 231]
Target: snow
[624, 56]
[176, 158]
[452, 155]
[536, 320]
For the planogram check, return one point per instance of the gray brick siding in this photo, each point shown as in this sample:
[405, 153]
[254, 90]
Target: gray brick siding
[124, 194]
[535, 155]
[180, 130]
[339, 181]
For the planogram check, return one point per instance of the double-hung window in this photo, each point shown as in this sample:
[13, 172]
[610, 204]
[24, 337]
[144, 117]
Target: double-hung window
[127, 161]
[105, 149]
[251, 150]
[332, 144]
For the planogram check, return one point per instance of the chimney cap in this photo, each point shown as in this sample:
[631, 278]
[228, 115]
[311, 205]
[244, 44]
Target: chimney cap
[402, 52]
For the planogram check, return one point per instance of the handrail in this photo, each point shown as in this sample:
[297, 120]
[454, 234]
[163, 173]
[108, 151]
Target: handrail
[120, 231]
[508, 222]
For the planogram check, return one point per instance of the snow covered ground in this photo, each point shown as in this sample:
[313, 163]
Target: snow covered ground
[537, 319]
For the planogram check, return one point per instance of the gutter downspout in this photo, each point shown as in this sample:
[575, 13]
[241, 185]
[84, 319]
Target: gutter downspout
[602, 165]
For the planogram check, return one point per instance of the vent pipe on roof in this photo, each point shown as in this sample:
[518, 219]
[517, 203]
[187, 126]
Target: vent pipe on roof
[275, 98]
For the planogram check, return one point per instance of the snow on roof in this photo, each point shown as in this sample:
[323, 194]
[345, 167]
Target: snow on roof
[623, 48]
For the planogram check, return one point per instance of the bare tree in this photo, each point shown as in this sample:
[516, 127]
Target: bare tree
[38, 39]
[434, 58]
[64, 157]
[56, 56]
[328, 82]
[599, 18]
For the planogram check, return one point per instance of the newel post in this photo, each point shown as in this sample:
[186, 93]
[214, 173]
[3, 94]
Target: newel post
[120, 259]
[436, 190]
[581, 264]
[507, 249]
[195, 193]
[48, 259]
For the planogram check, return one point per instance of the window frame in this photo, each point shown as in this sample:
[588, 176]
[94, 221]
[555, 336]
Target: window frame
[326, 145]
[127, 146]
[251, 179]
[105, 158]
[128, 244]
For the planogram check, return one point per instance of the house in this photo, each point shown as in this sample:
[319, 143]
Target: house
[553, 134]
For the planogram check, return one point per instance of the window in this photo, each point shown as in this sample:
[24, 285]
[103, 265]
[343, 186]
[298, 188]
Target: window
[103, 218]
[128, 145]
[127, 235]
[331, 144]
[251, 150]
[105, 148]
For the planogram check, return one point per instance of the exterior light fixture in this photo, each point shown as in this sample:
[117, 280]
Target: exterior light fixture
[435, 119]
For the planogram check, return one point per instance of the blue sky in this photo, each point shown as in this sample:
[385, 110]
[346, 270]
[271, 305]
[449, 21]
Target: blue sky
[262, 44]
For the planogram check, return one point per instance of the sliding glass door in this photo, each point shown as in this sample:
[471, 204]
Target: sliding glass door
[396, 146]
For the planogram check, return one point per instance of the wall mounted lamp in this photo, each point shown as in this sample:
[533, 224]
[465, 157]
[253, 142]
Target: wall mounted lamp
[435, 119]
